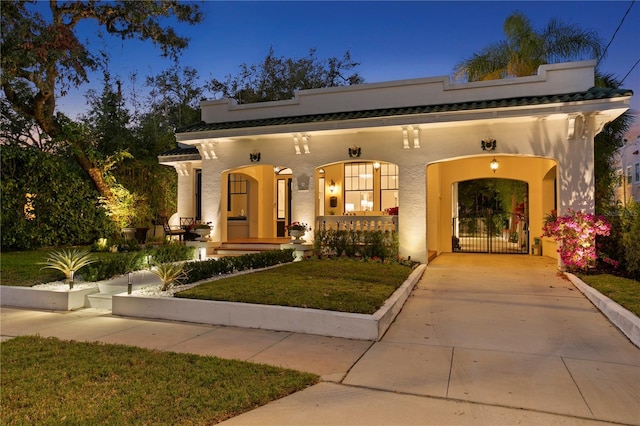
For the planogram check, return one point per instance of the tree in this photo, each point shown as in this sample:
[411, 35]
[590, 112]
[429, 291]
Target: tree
[42, 58]
[276, 79]
[525, 49]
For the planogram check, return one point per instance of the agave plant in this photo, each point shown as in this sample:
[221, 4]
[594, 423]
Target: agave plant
[169, 274]
[68, 262]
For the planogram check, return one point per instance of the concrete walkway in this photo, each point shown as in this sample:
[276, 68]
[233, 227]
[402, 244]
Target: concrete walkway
[484, 339]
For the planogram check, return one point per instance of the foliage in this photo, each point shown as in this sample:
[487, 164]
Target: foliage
[342, 285]
[41, 57]
[631, 238]
[68, 262]
[525, 49]
[576, 234]
[197, 271]
[171, 252]
[368, 244]
[61, 203]
[169, 274]
[126, 385]
[298, 226]
[114, 265]
[278, 78]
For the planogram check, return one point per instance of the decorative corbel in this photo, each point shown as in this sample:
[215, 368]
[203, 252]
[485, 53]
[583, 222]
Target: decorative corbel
[206, 150]
[405, 137]
[296, 144]
[573, 124]
[182, 169]
[305, 143]
[416, 137]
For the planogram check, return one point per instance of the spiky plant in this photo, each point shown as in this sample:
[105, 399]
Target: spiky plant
[69, 262]
[169, 274]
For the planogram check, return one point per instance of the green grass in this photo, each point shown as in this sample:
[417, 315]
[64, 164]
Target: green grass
[336, 285]
[624, 291]
[47, 381]
[21, 268]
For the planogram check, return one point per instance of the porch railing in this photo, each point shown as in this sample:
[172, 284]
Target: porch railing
[358, 223]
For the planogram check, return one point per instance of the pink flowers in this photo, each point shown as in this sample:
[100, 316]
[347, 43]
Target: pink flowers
[576, 232]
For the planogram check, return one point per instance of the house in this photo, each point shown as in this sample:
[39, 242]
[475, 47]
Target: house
[627, 166]
[342, 156]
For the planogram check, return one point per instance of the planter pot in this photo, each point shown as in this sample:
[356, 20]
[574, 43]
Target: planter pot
[203, 233]
[296, 234]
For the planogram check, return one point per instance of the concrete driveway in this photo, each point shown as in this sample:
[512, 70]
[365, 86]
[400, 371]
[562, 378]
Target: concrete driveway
[484, 339]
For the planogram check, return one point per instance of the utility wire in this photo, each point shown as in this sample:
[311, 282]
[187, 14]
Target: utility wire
[616, 32]
[634, 65]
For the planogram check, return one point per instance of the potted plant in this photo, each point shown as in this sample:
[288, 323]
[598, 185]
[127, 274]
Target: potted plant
[203, 229]
[297, 230]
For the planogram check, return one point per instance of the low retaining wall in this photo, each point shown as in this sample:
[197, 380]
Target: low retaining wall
[280, 318]
[626, 321]
[54, 300]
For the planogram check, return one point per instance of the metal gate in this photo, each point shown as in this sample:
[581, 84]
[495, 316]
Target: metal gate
[490, 232]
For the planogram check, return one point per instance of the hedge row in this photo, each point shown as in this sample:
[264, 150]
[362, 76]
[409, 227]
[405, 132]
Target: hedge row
[367, 244]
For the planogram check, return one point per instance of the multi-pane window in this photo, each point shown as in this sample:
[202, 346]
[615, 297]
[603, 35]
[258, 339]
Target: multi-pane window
[629, 175]
[388, 186]
[637, 172]
[358, 186]
[237, 194]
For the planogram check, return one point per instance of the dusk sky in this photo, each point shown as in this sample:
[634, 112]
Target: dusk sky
[391, 40]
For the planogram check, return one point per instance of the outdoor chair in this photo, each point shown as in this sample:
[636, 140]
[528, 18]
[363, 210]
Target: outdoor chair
[170, 232]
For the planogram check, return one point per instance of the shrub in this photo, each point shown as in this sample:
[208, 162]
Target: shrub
[68, 262]
[197, 271]
[631, 238]
[368, 244]
[169, 274]
[576, 233]
[113, 265]
[171, 252]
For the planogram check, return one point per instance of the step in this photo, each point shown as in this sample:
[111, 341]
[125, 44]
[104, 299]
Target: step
[99, 301]
[250, 246]
[235, 252]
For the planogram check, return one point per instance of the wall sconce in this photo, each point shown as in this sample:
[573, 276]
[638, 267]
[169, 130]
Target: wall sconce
[276, 169]
[488, 144]
[254, 156]
[332, 186]
[376, 165]
[494, 164]
[354, 151]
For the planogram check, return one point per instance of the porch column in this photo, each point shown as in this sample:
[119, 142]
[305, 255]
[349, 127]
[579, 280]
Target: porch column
[211, 201]
[185, 190]
[412, 216]
[576, 178]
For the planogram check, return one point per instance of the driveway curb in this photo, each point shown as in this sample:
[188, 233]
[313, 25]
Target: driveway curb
[626, 321]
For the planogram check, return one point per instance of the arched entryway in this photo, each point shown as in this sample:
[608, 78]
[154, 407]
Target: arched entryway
[444, 178]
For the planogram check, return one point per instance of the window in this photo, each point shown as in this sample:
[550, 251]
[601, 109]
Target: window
[388, 186]
[237, 194]
[629, 176]
[358, 186]
[637, 172]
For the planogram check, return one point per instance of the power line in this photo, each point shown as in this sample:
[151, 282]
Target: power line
[634, 65]
[616, 32]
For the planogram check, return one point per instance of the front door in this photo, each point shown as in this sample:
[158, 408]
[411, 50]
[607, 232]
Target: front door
[283, 204]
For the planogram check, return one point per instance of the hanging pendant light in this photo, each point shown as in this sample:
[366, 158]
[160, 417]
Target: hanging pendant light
[494, 164]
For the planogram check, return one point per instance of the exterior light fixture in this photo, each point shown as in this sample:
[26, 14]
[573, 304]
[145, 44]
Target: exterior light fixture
[254, 156]
[488, 144]
[332, 186]
[276, 169]
[129, 283]
[149, 261]
[494, 164]
[376, 165]
[71, 273]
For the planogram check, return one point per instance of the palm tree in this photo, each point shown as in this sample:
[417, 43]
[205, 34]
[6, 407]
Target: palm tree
[525, 49]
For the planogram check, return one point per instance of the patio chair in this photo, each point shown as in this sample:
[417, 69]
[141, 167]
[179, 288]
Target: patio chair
[170, 232]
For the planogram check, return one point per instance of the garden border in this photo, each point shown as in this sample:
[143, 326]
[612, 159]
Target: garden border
[36, 298]
[623, 319]
[279, 318]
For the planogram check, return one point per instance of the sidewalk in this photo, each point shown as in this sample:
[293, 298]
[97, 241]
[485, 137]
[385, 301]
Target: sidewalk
[483, 339]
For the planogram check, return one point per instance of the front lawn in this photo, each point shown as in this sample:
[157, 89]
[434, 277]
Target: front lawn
[49, 381]
[624, 291]
[337, 285]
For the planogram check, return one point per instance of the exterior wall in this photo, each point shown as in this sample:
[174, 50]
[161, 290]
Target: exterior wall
[548, 145]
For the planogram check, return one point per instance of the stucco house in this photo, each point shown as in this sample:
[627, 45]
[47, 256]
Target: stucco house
[344, 156]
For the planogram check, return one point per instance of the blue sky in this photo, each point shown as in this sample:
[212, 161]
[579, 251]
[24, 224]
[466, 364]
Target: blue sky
[391, 40]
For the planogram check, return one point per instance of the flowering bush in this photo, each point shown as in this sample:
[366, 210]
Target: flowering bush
[576, 232]
[298, 226]
[392, 211]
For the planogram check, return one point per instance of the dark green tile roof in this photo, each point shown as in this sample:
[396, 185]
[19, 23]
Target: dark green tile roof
[591, 94]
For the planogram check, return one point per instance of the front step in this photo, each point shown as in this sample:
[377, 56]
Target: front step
[99, 301]
[237, 248]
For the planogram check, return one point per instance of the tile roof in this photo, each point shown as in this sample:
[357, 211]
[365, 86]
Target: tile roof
[594, 93]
